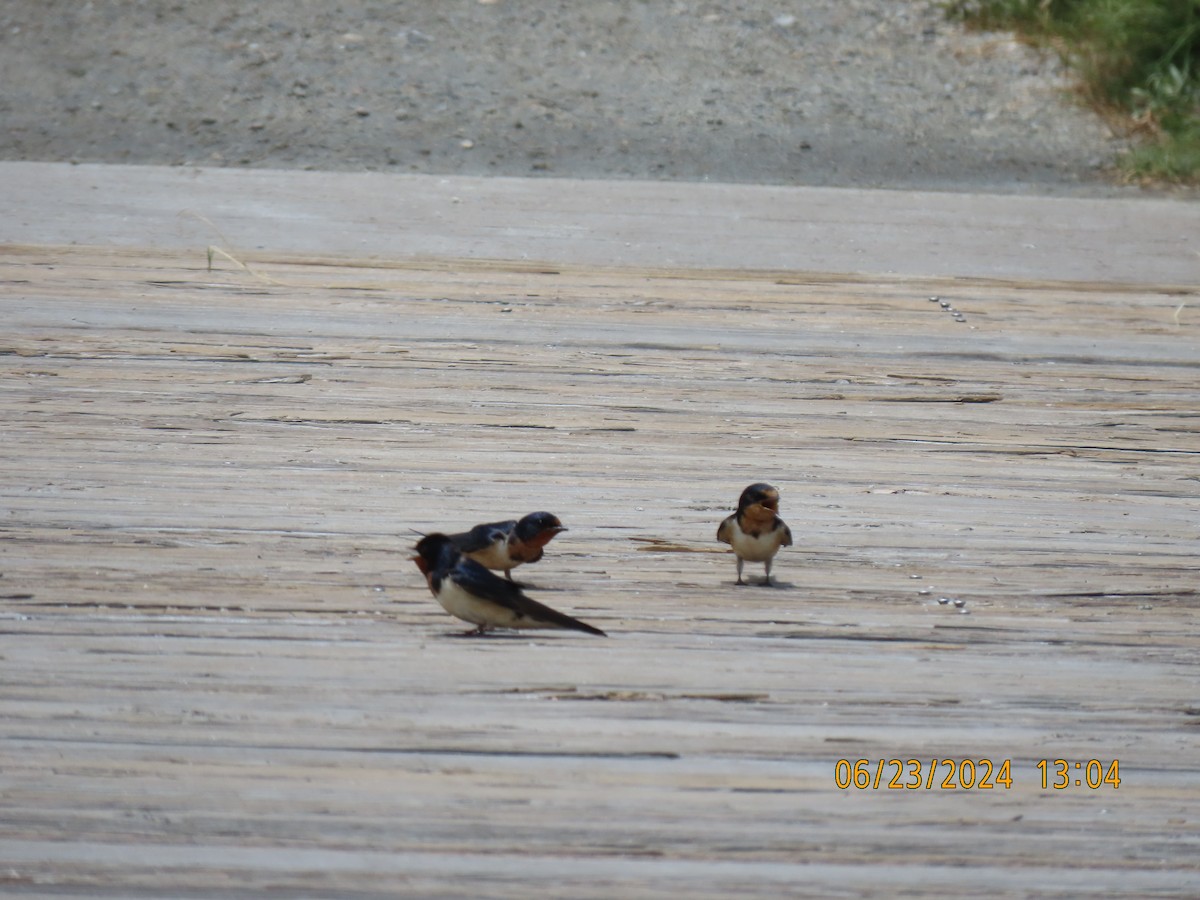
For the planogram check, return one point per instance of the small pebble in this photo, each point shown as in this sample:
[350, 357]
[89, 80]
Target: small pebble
[943, 600]
[960, 603]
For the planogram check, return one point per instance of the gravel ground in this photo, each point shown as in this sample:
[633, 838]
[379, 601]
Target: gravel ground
[863, 93]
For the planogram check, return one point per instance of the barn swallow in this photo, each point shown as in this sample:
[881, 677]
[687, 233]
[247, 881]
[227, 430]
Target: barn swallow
[468, 591]
[505, 545]
[755, 531]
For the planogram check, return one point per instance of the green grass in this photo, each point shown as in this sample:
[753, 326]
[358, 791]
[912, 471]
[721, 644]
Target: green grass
[1139, 61]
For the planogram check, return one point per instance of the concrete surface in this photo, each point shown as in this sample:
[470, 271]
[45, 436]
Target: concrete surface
[565, 221]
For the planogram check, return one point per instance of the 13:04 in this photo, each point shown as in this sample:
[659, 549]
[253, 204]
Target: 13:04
[1061, 774]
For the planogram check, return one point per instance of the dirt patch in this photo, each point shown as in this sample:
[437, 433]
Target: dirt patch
[863, 93]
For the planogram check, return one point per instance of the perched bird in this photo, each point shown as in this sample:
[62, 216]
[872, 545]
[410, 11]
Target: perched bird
[755, 531]
[470, 592]
[505, 545]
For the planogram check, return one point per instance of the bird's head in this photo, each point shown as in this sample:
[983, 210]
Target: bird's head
[759, 494]
[435, 551]
[539, 528]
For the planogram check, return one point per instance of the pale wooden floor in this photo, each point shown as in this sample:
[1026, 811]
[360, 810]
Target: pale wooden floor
[224, 677]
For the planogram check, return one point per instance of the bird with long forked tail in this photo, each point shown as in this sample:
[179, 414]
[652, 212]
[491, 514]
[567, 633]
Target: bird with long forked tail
[502, 546]
[468, 591]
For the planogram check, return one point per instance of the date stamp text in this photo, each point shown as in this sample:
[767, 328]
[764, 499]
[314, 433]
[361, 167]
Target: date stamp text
[971, 774]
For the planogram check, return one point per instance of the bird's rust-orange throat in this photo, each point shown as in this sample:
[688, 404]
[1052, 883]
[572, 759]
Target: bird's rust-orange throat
[757, 518]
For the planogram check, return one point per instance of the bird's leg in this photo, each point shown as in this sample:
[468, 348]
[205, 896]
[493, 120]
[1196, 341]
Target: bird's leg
[767, 577]
[739, 565]
[508, 574]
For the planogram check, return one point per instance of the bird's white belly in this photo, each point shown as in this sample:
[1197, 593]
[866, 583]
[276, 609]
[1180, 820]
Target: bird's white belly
[493, 556]
[466, 606]
[755, 549]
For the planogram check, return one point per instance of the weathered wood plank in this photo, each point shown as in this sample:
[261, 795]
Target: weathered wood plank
[222, 673]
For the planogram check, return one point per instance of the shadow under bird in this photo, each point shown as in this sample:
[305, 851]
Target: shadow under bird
[468, 591]
[755, 531]
[503, 546]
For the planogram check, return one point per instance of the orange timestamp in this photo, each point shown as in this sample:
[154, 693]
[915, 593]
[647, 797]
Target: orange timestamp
[969, 774]
[1061, 774]
[923, 774]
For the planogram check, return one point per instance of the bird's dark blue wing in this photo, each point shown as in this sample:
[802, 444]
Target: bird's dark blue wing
[482, 536]
[474, 578]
